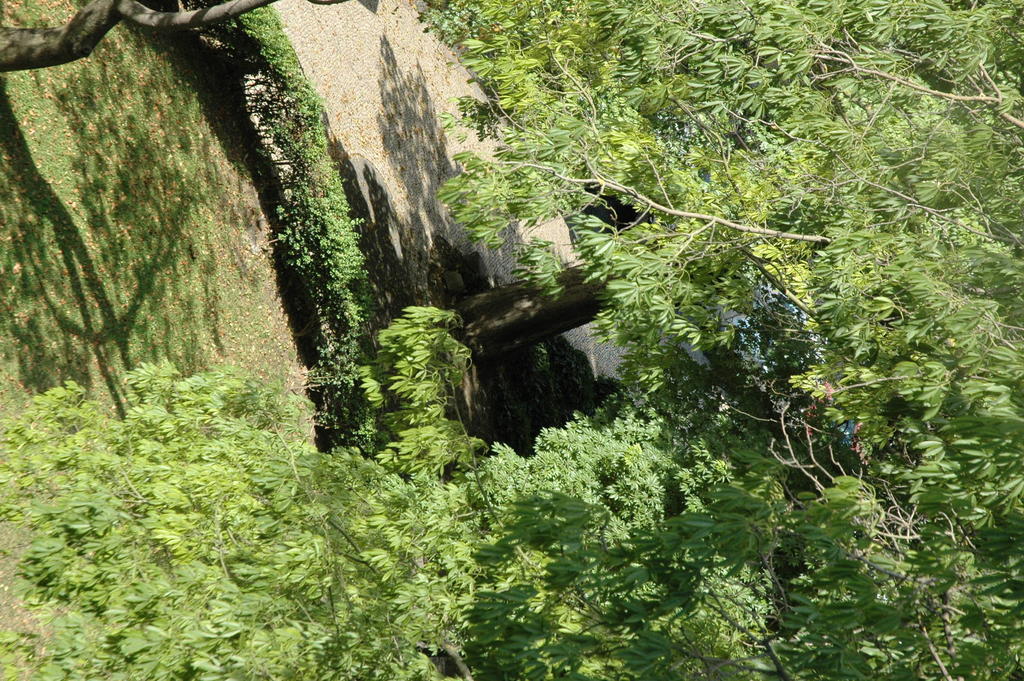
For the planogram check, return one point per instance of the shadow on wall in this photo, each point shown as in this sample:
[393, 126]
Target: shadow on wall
[412, 248]
[382, 240]
[403, 266]
[413, 142]
[417, 154]
[407, 253]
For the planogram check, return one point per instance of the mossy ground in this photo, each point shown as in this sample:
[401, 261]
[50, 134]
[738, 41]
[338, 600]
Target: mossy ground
[130, 231]
[129, 227]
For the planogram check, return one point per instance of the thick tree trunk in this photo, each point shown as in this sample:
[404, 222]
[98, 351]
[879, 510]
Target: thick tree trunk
[511, 317]
[35, 48]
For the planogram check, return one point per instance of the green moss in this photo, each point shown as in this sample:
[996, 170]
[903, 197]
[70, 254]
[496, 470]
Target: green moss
[317, 247]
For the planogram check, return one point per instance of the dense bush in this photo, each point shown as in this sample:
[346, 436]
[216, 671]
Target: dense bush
[191, 538]
[627, 466]
[202, 537]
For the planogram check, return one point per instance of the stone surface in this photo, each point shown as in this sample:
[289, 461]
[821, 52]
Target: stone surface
[453, 282]
[385, 81]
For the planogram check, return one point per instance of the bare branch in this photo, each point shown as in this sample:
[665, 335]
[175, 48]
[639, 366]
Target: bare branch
[935, 653]
[776, 281]
[843, 58]
[141, 15]
[654, 205]
[460, 664]
[829, 54]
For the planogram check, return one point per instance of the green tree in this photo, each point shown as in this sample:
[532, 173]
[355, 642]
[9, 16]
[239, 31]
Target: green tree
[831, 192]
[822, 310]
[201, 536]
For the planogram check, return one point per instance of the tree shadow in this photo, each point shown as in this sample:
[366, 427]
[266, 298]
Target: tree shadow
[414, 141]
[381, 239]
[408, 255]
[417, 153]
[406, 250]
[45, 360]
[100, 270]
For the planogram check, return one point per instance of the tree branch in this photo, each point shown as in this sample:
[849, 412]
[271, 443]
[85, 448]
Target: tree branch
[776, 281]
[651, 204]
[780, 669]
[460, 664]
[934, 652]
[829, 54]
[843, 58]
[36, 48]
[141, 15]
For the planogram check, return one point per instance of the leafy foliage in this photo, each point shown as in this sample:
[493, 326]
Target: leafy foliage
[189, 538]
[627, 465]
[832, 226]
[420, 364]
[816, 474]
[586, 575]
[588, 610]
[364, 569]
[201, 536]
